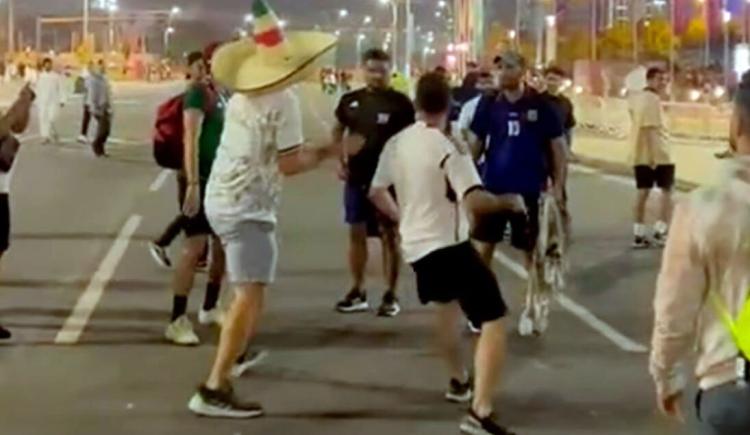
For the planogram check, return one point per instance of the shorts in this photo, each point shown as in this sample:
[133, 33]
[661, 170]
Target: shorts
[197, 225]
[457, 273]
[250, 248]
[4, 222]
[358, 209]
[661, 176]
[524, 228]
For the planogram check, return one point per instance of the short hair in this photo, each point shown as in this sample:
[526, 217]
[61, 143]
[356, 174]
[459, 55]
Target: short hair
[376, 54]
[440, 69]
[555, 70]
[496, 60]
[194, 56]
[433, 94]
[653, 72]
[46, 60]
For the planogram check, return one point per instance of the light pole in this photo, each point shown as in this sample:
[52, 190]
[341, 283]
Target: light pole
[726, 18]
[173, 13]
[707, 24]
[11, 26]
[594, 26]
[360, 39]
[86, 16]
[551, 54]
[672, 48]
[112, 8]
[394, 30]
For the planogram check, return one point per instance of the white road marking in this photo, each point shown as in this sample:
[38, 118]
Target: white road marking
[160, 180]
[610, 333]
[73, 327]
[583, 169]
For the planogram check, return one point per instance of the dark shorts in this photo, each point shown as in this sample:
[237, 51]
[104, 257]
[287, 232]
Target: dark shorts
[197, 225]
[524, 228]
[457, 273]
[4, 222]
[647, 177]
[358, 209]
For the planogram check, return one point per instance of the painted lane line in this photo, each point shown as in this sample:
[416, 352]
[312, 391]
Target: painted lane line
[75, 324]
[160, 180]
[618, 339]
[583, 169]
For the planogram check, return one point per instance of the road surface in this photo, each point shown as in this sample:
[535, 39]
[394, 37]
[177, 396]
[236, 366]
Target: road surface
[80, 228]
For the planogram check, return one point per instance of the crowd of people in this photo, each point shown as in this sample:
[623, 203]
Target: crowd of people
[440, 180]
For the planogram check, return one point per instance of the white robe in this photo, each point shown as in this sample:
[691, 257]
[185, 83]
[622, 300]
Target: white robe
[50, 90]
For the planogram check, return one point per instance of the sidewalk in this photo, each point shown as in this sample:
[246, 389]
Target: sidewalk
[696, 164]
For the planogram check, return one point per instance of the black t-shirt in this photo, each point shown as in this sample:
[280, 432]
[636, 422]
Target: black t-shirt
[563, 107]
[378, 115]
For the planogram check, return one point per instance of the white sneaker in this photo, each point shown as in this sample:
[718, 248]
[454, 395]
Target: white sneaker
[214, 316]
[83, 139]
[526, 323]
[181, 332]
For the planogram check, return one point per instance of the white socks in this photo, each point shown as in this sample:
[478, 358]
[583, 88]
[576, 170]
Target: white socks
[639, 230]
[661, 227]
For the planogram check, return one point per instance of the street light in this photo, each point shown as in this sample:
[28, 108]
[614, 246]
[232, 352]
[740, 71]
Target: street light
[283, 23]
[367, 20]
[249, 18]
[360, 40]
[343, 13]
[726, 18]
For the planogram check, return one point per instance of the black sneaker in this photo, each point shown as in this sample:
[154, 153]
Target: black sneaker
[660, 239]
[459, 392]
[222, 404]
[473, 425]
[354, 302]
[641, 242]
[159, 254]
[390, 306]
[5, 334]
[248, 361]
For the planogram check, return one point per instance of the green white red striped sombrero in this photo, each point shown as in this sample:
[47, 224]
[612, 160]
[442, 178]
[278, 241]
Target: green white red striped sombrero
[270, 59]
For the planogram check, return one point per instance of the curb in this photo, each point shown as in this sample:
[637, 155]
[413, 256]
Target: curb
[622, 169]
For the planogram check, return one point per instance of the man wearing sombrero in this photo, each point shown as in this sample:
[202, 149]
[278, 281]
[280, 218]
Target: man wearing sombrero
[262, 141]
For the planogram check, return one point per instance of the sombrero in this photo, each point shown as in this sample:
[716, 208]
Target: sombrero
[270, 59]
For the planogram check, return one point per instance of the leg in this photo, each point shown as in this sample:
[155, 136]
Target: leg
[666, 206]
[185, 271]
[723, 410]
[448, 316]
[215, 273]
[488, 364]
[391, 257]
[86, 121]
[358, 254]
[44, 124]
[486, 251]
[240, 325]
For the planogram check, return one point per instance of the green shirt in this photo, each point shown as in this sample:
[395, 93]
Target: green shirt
[212, 106]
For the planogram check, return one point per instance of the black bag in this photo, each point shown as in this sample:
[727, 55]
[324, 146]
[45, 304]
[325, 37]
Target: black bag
[9, 146]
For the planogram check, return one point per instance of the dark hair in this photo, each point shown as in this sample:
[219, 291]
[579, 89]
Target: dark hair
[496, 60]
[745, 80]
[653, 72]
[441, 70]
[555, 70]
[193, 57]
[46, 60]
[433, 94]
[376, 54]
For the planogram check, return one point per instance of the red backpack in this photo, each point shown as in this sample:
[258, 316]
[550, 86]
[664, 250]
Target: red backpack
[168, 134]
[169, 150]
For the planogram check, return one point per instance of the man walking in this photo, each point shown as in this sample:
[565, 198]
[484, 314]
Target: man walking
[86, 119]
[99, 102]
[203, 127]
[377, 113]
[522, 141]
[262, 141]
[702, 287]
[433, 179]
[51, 97]
[652, 163]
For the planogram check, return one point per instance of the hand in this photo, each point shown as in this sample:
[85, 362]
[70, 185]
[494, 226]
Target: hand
[191, 206]
[342, 171]
[27, 93]
[513, 203]
[353, 144]
[669, 405]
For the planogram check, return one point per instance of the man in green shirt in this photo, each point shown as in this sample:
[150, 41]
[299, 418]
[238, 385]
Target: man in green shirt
[203, 111]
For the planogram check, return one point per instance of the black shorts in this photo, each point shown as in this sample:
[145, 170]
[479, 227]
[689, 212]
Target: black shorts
[457, 273]
[4, 222]
[647, 177]
[524, 228]
[197, 225]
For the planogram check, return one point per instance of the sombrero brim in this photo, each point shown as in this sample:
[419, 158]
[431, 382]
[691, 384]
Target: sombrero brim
[240, 66]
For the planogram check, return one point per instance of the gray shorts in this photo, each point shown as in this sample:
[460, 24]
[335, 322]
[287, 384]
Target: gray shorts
[251, 249]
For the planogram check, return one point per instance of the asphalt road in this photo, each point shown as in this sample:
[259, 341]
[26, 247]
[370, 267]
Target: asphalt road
[80, 227]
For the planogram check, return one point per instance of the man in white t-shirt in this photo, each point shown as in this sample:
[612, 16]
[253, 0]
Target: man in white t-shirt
[485, 83]
[433, 179]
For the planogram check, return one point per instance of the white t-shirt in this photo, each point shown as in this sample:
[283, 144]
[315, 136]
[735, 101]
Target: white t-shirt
[245, 181]
[423, 166]
[467, 113]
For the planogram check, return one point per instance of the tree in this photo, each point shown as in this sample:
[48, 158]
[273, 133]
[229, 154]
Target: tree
[695, 33]
[497, 38]
[574, 47]
[616, 42]
[657, 39]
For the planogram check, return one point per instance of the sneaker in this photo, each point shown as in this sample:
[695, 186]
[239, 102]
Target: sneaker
[354, 302]
[660, 239]
[159, 254]
[214, 316]
[390, 306]
[181, 332]
[5, 334]
[249, 361]
[222, 404]
[726, 154]
[474, 425]
[641, 242]
[83, 139]
[459, 392]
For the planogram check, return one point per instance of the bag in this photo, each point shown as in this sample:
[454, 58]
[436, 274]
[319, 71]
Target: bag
[9, 147]
[168, 134]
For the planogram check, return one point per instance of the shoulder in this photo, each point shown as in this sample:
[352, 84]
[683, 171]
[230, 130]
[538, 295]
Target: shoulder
[398, 97]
